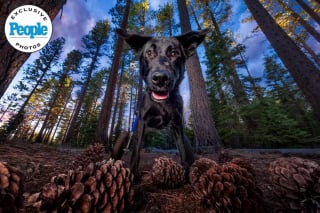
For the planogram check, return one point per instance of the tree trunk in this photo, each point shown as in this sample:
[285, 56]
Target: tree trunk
[122, 103]
[22, 108]
[34, 130]
[309, 10]
[213, 19]
[5, 111]
[104, 117]
[51, 107]
[305, 24]
[234, 80]
[222, 96]
[311, 52]
[303, 71]
[11, 59]
[255, 88]
[72, 124]
[116, 106]
[203, 123]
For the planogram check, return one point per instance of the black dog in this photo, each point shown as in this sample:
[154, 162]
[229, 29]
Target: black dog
[162, 67]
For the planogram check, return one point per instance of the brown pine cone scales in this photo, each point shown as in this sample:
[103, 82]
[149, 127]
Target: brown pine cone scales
[243, 163]
[166, 173]
[101, 187]
[296, 182]
[92, 154]
[11, 188]
[199, 167]
[227, 188]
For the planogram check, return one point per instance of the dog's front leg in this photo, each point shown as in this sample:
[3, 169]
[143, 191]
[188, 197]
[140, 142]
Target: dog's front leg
[137, 145]
[182, 142]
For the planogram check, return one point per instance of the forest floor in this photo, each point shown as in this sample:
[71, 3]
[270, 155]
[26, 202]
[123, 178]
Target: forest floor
[40, 162]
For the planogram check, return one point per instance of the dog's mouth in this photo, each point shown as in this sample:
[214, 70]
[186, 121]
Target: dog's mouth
[160, 96]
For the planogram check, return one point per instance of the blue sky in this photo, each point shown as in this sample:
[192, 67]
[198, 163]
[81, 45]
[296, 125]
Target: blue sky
[79, 16]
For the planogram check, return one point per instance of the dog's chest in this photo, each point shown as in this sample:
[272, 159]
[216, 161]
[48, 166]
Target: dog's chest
[158, 116]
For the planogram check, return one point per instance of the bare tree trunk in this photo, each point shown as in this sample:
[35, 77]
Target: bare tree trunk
[309, 10]
[62, 113]
[219, 88]
[71, 128]
[203, 123]
[116, 106]
[311, 52]
[11, 59]
[104, 117]
[34, 130]
[305, 24]
[302, 69]
[5, 111]
[51, 107]
[257, 91]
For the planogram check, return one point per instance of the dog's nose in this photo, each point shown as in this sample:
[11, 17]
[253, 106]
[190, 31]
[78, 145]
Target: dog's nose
[160, 79]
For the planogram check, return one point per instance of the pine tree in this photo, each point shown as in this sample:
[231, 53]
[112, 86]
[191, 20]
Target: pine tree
[37, 73]
[71, 63]
[165, 20]
[11, 59]
[88, 117]
[303, 71]
[95, 46]
[205, 131]
[309, 10]
[101, 135]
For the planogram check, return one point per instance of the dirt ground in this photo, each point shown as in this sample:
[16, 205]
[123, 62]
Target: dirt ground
[40, 162]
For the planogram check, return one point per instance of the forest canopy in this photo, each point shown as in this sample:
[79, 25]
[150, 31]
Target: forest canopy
[78, 96]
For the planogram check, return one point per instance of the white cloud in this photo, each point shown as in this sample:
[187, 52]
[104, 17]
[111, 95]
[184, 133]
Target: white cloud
[255, 42]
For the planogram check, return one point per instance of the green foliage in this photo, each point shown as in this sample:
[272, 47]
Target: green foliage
[95, 41]
[277, 118]
[88, 118]
[274, 126]
[159, 139]
[140, 17]
[166, 24]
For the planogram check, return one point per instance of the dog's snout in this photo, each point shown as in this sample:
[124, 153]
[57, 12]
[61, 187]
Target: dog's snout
[160, 79]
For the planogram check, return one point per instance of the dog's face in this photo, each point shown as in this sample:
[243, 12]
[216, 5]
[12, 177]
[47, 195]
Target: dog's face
[162, 60]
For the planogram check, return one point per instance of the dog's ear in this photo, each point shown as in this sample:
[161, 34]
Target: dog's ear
[191, 40]
[135, 41]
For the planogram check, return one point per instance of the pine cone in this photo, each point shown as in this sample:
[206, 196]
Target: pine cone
[11, 188]
[93, 154]
[166, 173]
[243, 163]
[228, 188]
[199, 167]
[101, 187]
[296, 182]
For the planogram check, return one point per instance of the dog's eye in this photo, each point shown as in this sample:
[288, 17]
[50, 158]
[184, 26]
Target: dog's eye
[174, 53]
[149, 53]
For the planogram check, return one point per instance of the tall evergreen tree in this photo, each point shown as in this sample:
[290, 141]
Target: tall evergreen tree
[71, 63]
[165, 20]
[88, 117]
[95, 45]
[205, 131]
[37, 73]
[303, 71]
[11, 59]
[309, 10]
[101, 135]
[300, 20]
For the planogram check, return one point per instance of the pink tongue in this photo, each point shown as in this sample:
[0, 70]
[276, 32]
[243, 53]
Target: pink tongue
[160, 97]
